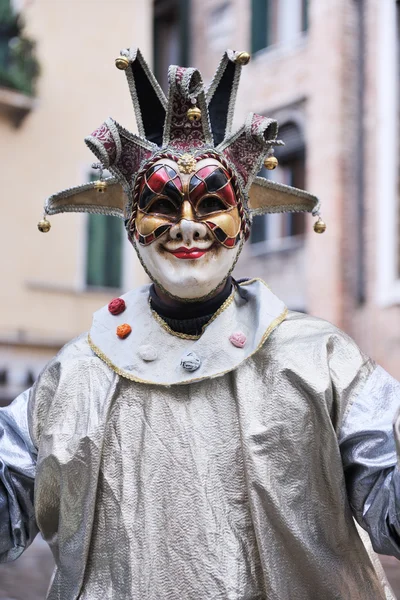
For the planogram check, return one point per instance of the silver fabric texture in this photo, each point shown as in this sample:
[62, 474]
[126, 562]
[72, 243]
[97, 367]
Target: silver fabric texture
[228, 488]
[369, 459]
[375, 560]
[17, 472]
[216, 354]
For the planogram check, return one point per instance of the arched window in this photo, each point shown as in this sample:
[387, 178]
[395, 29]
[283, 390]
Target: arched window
[283, 231]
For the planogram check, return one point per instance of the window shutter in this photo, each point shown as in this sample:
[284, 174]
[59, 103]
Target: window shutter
[104, 251]
[304, 14]
[113, 257]
[96, 247]
[259, 28]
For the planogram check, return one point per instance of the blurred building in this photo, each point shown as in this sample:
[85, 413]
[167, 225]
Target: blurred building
[51, 284]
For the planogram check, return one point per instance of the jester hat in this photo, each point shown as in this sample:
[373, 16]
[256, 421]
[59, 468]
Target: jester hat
[193, 123]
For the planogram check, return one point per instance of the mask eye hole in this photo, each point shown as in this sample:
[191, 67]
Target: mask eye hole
[210, 204]
[163, 206]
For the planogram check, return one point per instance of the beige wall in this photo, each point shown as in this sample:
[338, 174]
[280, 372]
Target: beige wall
[43, 297]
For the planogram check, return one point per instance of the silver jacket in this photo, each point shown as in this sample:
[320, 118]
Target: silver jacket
[236, 481]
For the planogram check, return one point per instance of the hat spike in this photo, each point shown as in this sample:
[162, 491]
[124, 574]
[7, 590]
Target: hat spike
[222, 92]
[186, 90]
[247, 148]
[267, 196]
[86, 198]
[148, 99]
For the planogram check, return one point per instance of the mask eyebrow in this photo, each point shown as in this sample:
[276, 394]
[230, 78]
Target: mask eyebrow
[194, 182]
[161, 180]
[216, 180]
[157, 179]
[152, 170]
[212, 180]
[171, 190]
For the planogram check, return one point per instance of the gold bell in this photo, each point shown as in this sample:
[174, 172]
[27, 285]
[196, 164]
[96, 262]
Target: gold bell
[44, 225]
[270, 163]
[194, 114]
[122, 63]
[243, 58]
[100, 186]
[319, 226]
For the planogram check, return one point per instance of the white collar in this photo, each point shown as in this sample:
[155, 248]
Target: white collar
[255, 318]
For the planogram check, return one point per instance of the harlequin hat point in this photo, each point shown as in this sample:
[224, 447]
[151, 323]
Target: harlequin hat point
[171, 128]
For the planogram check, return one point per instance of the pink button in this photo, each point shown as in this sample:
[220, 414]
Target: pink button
[238, 339]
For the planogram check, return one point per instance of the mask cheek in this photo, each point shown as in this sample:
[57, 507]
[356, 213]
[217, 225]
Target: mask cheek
[226, 227]
[150, 227]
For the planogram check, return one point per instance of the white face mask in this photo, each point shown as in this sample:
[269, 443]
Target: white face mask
[187, 228]
[187, 262]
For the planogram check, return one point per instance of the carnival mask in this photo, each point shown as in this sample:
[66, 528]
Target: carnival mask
[187, 229]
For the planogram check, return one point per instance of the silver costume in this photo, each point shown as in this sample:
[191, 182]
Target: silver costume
[237, 481]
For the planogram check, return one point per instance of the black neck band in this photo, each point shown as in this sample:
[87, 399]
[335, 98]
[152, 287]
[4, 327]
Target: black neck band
[189, 317]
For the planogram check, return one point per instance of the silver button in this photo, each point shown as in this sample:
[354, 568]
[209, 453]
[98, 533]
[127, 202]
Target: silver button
[190, 361]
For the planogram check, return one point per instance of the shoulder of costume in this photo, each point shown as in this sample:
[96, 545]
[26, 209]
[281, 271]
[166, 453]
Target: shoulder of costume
[303, 326]
[76, 349]
[67, 387]
[73, 356]
[303, 331]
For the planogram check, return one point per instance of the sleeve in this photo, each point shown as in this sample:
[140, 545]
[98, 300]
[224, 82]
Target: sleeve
[17, 473]
[367, 440]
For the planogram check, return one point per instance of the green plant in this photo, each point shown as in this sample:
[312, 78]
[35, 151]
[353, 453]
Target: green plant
[19, 67]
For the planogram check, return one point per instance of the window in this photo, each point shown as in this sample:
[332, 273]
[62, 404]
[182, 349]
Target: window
[104, 250]
[286, 230]
[171, 37]
[277, 22]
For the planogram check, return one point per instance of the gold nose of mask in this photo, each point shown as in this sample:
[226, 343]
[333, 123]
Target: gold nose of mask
[187, 211]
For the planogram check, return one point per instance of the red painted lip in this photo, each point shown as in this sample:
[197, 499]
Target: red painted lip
[189, 253]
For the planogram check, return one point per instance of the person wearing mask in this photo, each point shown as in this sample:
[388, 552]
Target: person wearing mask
[201, 441]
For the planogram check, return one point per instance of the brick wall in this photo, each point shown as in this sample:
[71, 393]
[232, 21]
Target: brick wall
[320, 72]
